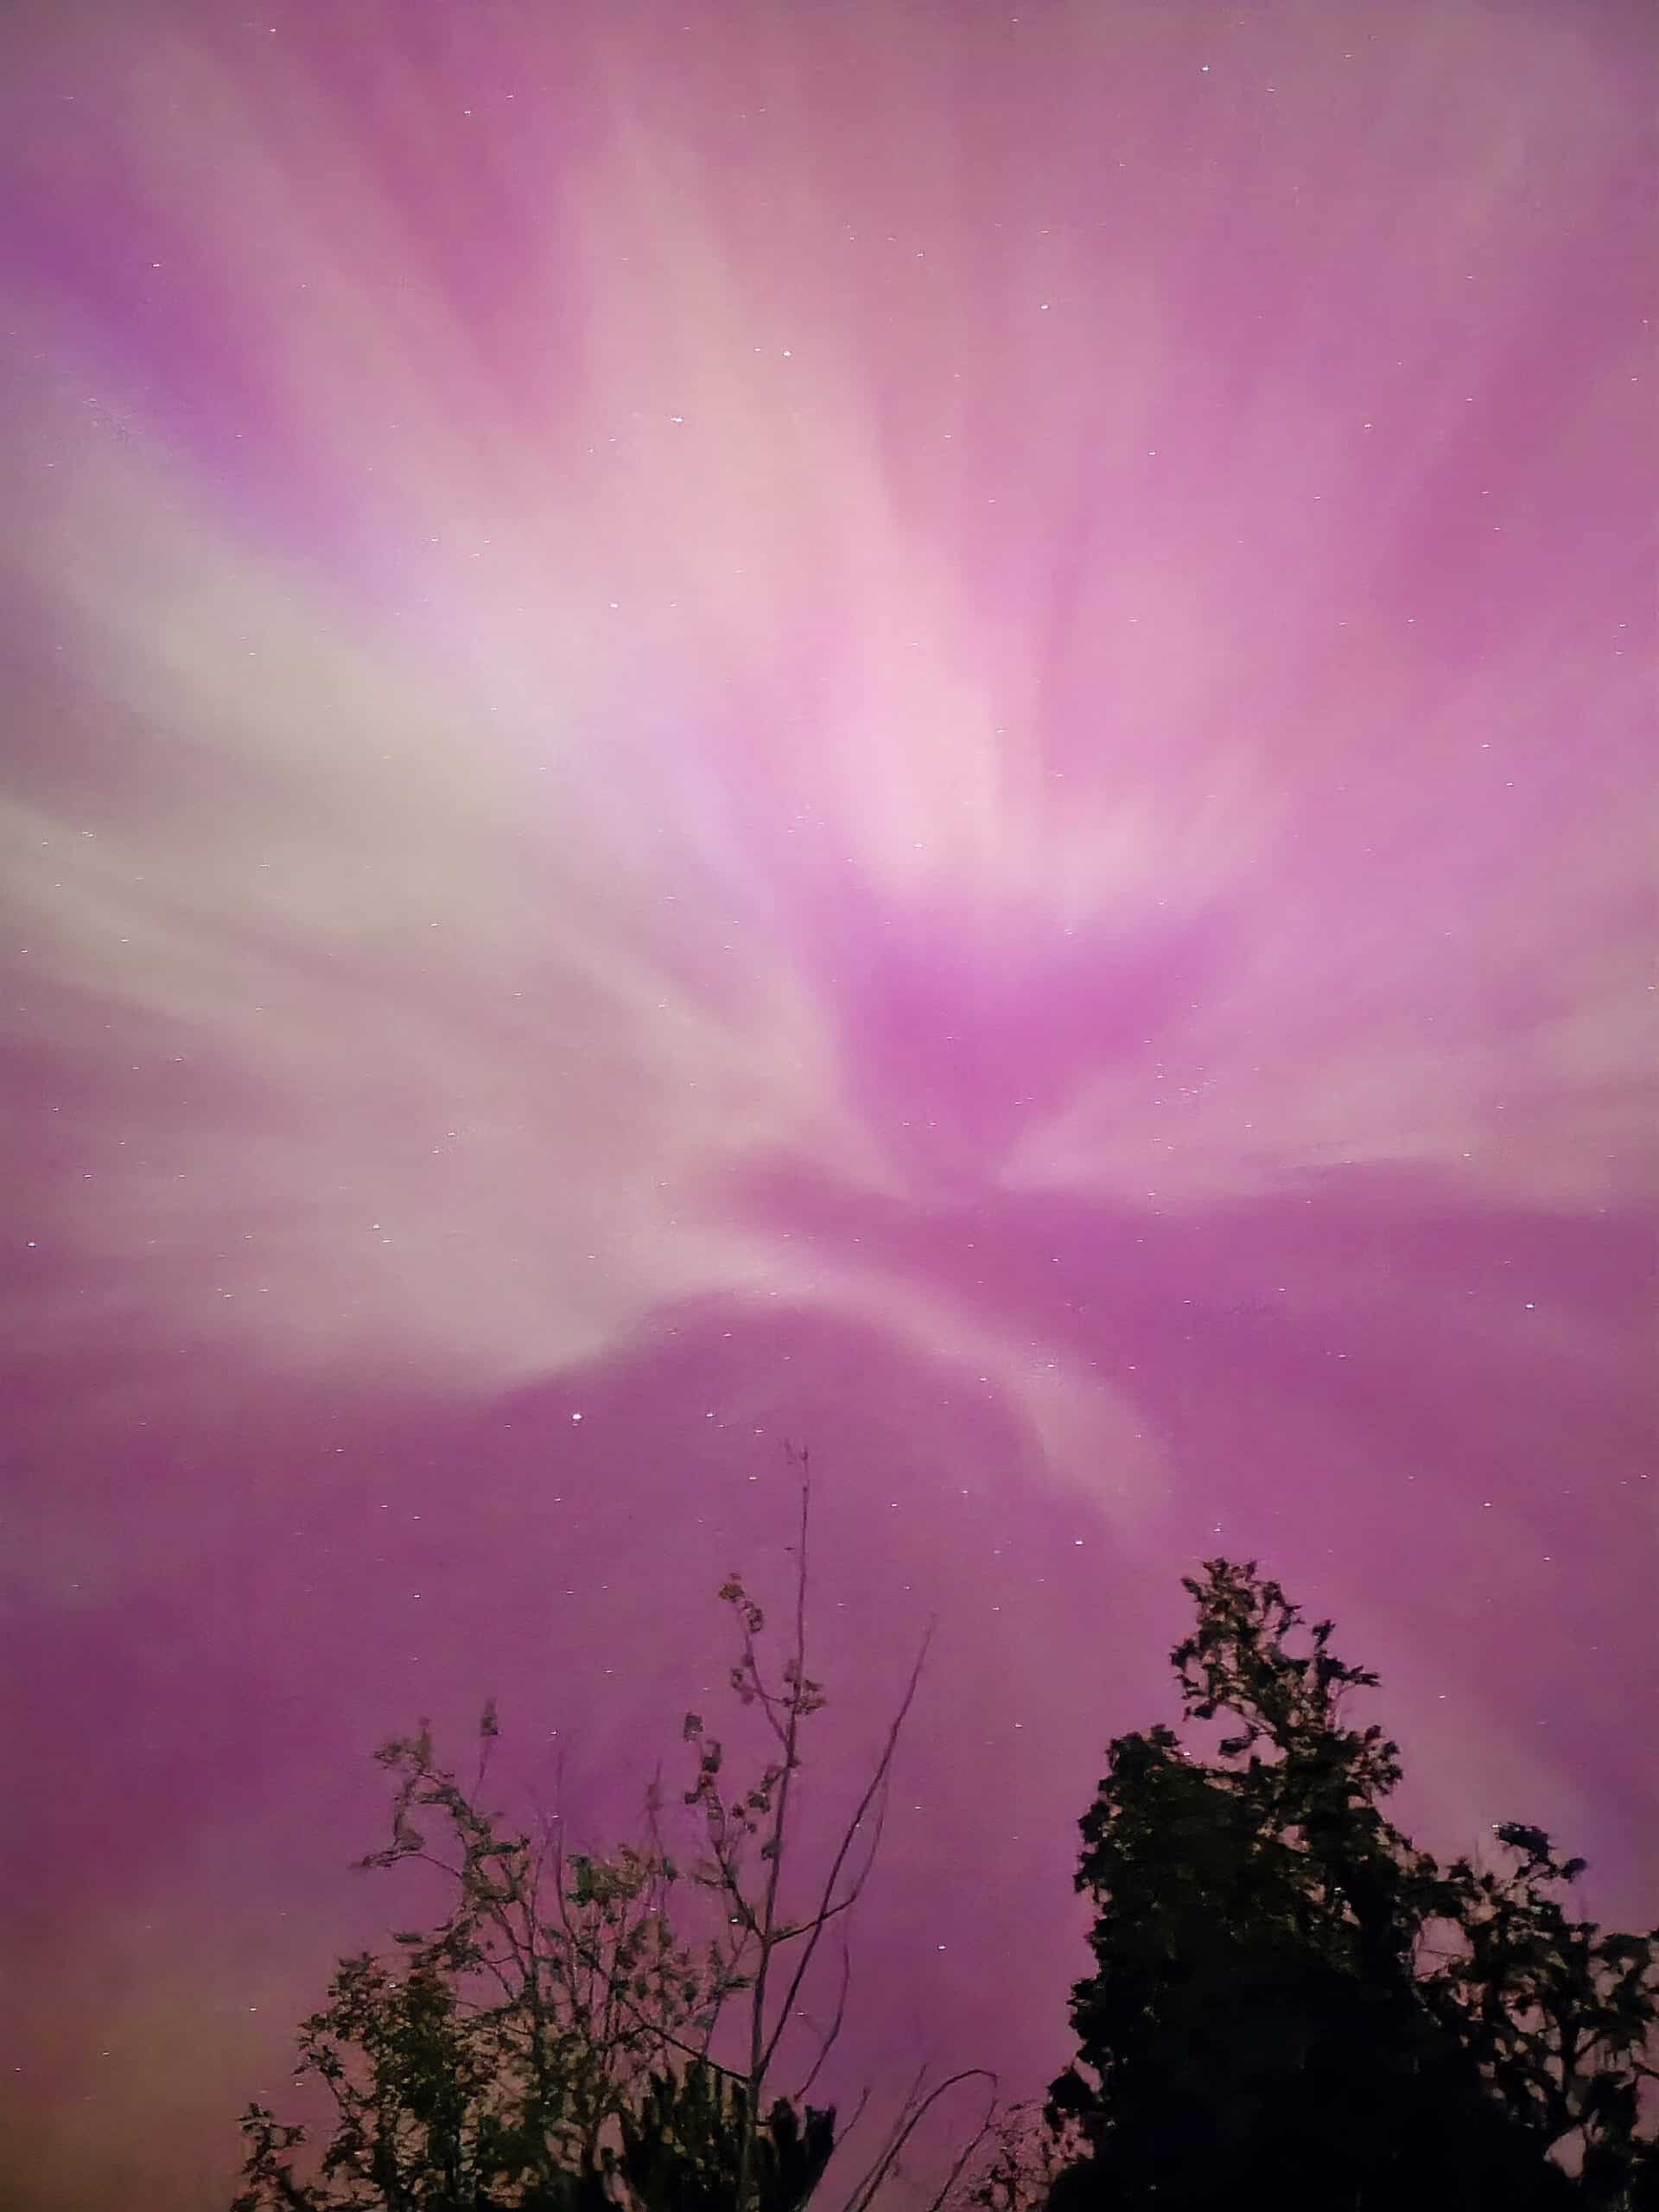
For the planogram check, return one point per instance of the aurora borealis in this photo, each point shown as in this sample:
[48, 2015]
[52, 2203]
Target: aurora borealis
[922, 726]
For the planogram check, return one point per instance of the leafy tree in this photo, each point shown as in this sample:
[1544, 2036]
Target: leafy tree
[1289, 1994]
[554, 2043]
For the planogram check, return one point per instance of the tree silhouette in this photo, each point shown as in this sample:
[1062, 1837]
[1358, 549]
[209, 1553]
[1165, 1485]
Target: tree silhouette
[1289, 1996]
[555, 2044]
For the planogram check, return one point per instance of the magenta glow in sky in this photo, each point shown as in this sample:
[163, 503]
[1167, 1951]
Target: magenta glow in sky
[922, 727]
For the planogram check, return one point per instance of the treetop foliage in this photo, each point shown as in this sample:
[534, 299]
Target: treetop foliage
[1288, 1991]
[1290, 2001]
[584, 2033]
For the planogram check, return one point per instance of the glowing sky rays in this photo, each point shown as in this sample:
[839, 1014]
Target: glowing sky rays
[979, 679]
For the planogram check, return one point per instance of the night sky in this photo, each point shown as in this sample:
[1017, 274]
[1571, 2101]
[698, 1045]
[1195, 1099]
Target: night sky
[915, 728]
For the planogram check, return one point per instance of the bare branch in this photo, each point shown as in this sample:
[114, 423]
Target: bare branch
[860, 2200]
[817, 1923]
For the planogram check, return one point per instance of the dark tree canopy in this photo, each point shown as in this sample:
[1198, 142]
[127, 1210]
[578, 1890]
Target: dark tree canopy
[1292, 2004]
